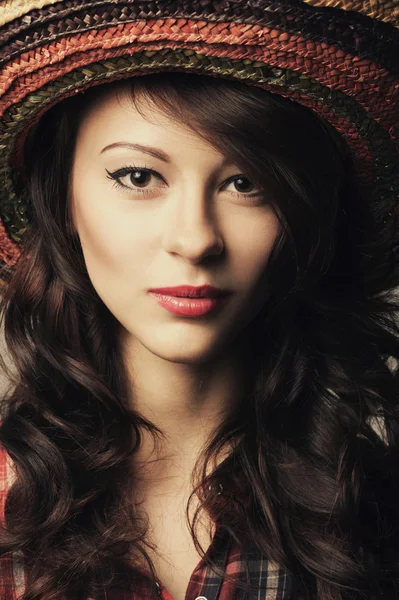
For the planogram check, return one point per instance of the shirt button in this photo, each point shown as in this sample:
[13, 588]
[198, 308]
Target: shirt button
[201, 598]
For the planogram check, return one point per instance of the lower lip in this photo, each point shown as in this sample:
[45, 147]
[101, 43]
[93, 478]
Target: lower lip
[190, 307]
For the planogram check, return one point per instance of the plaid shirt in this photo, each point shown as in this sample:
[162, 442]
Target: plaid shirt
[269, 581]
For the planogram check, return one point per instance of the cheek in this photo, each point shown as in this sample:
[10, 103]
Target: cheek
[111, 238]
[254, 244]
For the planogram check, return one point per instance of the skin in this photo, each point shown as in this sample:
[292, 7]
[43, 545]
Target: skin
[186, 373]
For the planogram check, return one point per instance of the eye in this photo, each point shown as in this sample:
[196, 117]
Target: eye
[140, 176]
[243, 181]
[136, 176]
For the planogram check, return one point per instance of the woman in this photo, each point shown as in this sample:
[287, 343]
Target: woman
[213, 448]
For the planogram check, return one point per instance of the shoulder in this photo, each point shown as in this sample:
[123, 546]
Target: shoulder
[7, 477]
[12, 578]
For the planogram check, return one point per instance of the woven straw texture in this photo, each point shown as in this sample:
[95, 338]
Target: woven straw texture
[340, 58]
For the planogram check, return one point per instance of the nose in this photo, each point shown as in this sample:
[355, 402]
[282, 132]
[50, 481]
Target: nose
[191, 229]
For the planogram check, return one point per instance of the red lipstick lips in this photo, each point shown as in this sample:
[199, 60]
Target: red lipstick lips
[190, 301]
[190, 291]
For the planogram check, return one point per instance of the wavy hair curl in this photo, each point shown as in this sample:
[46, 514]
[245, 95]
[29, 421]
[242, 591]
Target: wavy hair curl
[322, 480]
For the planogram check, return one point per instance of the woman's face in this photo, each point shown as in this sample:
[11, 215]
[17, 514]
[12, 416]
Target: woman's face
[184, 224]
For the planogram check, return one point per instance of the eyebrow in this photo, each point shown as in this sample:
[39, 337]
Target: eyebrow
[156, 153]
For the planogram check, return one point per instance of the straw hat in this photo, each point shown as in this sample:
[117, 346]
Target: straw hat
[338, 57]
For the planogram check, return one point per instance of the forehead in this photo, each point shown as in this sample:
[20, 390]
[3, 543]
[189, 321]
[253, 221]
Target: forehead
[112, 116]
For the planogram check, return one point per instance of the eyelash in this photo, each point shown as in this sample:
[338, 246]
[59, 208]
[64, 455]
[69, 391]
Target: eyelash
[127, 170]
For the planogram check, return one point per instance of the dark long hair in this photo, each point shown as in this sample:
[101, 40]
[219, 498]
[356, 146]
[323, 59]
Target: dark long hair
[321, 478]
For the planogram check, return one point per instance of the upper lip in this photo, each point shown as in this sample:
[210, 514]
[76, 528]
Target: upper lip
[190, 291]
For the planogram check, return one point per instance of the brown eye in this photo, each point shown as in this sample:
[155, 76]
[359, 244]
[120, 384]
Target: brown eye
[245, 187]
[242, 185]
[139, 176]
[136, 179]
